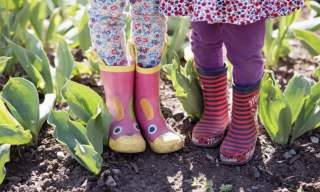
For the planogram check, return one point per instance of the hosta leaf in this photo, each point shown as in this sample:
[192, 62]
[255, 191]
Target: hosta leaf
[21, 97]
[65, 63]
[297, 90]
[72, 135]
[82, 100]
[4, 158]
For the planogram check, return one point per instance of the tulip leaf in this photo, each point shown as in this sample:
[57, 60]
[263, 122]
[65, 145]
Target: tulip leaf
[296, 91]
[65, 63]
[28, 62]
[11, 132]
[73, 136]
[4, 158]
[83, 101]
[310, 38]
[21, 97]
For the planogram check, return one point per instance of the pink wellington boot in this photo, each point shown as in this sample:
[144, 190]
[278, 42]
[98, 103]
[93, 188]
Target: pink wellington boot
[125, 136]
[147, 106]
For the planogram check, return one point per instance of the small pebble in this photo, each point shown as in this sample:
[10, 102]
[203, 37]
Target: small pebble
[60, 155]
[135, 167]
[287, 155]
[111, 182]
[314, 139]
[317, 155]
[116, 171]
[292, 152]
[256, 173]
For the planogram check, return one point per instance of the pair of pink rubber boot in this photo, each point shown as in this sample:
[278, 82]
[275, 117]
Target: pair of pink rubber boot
[132, 97]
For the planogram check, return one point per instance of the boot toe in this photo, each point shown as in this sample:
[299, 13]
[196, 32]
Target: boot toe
[207, 141]
[128, 144]
[239, 158]
[167, 143]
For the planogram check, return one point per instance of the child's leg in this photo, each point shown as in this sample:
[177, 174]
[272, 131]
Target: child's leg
[148, 31]
[207, 48]
[107, 23]
[244, 44]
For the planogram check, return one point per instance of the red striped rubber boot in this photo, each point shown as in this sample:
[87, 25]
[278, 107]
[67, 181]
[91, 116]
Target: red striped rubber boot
[239, 144]
[210, 130]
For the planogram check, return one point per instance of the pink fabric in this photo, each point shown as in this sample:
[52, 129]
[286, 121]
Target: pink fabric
[111, 82]
[147, 86]
[230, 11]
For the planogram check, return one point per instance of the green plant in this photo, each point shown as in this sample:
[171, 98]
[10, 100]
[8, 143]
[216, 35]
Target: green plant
[21, 98]
[85, 135]
[226, 188]
[276, 40]
[176, 42]
[4, 158]
[289, 114]
[186, 85]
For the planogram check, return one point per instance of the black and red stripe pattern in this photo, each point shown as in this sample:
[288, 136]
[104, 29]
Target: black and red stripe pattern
[239, 144]
[211, 128]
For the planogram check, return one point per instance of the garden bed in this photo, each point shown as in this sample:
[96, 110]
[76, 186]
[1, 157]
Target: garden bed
[48, 167]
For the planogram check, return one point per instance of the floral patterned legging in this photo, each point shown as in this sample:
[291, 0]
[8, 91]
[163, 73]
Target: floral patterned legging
[107, 24]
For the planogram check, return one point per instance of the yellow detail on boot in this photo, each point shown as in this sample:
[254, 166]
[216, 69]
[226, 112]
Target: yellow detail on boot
[167, 143]
[128, 144]
[117, 108]
[148, 70]
[147, 109]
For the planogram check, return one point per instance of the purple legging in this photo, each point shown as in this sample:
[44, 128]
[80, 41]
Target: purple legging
[243, 44]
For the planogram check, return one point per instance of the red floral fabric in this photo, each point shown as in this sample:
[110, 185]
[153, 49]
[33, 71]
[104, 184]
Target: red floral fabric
[230, 11]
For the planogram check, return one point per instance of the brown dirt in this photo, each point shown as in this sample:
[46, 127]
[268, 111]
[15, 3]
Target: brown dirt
[38, 168]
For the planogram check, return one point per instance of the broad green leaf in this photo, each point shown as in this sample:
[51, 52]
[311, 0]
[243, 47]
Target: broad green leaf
[39, 14]
[274, 113]
[14, 135]
[21, 97]
[297, 90]
[98, 129]
[3, 62]
[46, 107]
[35, 46]
[317, 73]
[83, 101]
[84, 32]
[54, 21]
[27, 61]
[11, 132]
[4, 158]
[310, 38]
[65, 63]
[72, 135]
[90, 158]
